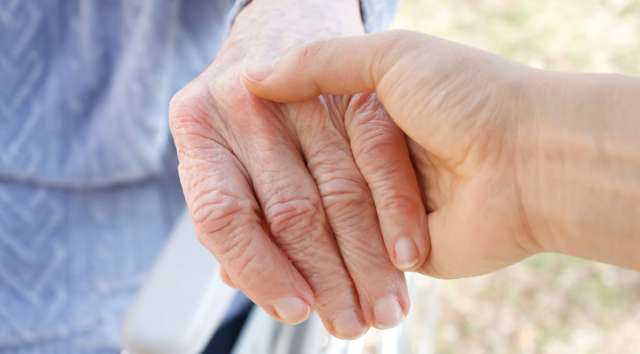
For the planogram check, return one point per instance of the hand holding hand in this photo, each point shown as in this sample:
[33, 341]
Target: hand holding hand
[512, 160]
[463, 110]
[300, 203]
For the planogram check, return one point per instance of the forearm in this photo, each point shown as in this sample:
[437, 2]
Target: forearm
[580, 169]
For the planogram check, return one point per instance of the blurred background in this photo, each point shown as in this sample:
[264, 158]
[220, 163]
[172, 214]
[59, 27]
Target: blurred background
[549, 303]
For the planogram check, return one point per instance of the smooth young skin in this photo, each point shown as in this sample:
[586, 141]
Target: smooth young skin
[298, 218]
[512, 160]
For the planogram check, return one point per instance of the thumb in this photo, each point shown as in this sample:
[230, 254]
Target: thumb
[341, 66]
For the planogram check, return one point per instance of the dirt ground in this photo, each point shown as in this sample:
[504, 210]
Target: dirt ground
[549, 303]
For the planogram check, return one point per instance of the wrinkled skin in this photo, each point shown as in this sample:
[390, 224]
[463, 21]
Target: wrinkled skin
[285, 195]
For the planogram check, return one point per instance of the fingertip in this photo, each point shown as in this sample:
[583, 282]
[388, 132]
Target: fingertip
[388, 312]
[292, 310]
[406, 254]
[347, 325]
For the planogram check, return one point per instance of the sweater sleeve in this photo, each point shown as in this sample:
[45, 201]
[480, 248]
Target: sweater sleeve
[376, 14]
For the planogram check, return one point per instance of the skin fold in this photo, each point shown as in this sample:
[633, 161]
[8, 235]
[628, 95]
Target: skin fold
[512, 161]
[309, 205]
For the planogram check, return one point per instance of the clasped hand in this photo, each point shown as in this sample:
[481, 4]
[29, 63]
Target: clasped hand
[307, 206]
[316, 203]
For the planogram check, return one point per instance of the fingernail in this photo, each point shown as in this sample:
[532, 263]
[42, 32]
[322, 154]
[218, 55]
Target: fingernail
[387, 312]
[292, 310]
[259, 72]
[347, 325]
[406, 254]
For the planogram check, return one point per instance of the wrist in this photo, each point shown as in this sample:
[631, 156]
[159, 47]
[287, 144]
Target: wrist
[527, 145]
[272, 27]
[578, 156]
[544, 154]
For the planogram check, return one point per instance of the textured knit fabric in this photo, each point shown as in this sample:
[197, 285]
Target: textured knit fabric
[88, 184]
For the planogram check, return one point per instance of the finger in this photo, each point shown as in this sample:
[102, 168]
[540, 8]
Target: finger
[381, 153]
[293, 210]
[351, 213]
[339, 66]
[227, 219]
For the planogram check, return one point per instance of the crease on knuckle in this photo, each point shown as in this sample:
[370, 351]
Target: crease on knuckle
[333, 292]
[361, 256]
[401, 204]
[240, 255]
[360, 105]
[293, 216]
[377, 146]
[373, 135]
[235, 246]
[249, 267]
[202, 152]
[325, 154]
[217, 212]
[243, 257]
[344, 194]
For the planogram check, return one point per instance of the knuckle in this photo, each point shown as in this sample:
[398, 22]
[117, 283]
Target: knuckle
[363, 118]
[372, 132]
[176, 103]
[246, 264]
[378, 146]
[217, 213]
[362, 103]
[291, 217]
[239, 253]
[194, 133]
[401, 204]
[249, 266]
[177, 100]
[188, 114]
[183, 101]
[333, 291]
[345, 194]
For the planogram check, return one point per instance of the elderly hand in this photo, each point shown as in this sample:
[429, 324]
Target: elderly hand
[299, 202]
